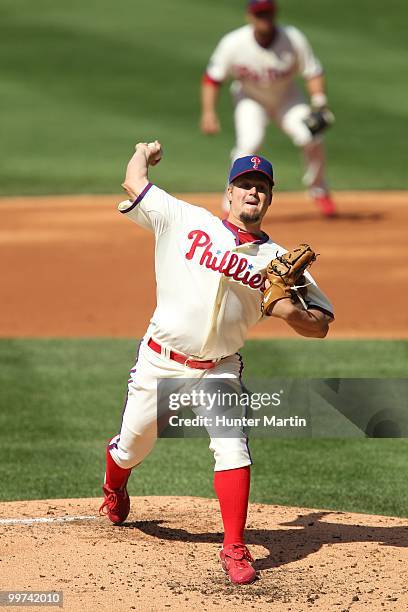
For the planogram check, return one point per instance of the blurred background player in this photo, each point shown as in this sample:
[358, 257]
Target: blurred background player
[264, 59]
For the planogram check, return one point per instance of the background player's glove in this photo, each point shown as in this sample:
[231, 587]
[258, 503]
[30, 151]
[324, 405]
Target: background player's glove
[319, 120]
[285, 275]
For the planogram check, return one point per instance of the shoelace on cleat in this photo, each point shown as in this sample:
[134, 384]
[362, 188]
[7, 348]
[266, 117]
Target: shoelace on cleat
[245, 552]
[109, 502]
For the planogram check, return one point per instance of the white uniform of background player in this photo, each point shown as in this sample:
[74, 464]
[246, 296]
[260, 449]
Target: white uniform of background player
[263, 59]
[209, 274]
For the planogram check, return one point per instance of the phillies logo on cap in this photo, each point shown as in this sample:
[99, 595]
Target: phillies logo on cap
[246, 164]
[256, 161]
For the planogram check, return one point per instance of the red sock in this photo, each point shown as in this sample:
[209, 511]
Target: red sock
[232, 489]
[116, 477]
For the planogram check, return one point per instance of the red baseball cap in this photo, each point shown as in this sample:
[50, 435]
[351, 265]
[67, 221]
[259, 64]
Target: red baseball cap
[261, 6]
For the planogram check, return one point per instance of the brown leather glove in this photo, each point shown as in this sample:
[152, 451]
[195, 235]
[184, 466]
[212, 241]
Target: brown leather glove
[285, 273]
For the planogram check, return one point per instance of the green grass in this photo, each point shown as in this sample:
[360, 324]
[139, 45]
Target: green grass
[60, 400]
[82, 81]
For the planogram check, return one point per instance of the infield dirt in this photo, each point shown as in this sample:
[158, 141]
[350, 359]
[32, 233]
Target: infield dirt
[74, 266]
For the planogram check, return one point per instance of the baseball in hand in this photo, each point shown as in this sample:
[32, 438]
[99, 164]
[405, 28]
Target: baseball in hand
[156, 152]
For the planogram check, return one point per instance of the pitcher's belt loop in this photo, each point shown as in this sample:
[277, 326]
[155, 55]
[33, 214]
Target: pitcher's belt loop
[183, 359]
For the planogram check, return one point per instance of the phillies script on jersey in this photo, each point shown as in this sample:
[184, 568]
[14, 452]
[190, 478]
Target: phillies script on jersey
[227, 263]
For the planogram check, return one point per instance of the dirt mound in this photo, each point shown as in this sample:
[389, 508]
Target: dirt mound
[166, 557]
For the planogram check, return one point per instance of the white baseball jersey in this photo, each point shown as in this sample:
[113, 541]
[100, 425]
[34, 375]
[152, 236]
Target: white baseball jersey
[264, 74]
[209, 286]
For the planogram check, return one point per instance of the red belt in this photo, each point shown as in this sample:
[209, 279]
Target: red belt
[190, 363]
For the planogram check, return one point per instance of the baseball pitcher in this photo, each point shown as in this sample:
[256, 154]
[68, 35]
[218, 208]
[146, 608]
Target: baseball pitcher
[215, 279]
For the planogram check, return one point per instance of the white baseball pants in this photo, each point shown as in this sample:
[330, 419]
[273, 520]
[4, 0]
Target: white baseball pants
[138, 432]
[251, 120]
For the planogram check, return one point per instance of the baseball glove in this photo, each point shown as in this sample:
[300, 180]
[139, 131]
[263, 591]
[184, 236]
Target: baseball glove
[319, 120]
[285, 276]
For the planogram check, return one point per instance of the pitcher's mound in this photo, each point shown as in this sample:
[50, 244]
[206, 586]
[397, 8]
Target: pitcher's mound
[166, 557]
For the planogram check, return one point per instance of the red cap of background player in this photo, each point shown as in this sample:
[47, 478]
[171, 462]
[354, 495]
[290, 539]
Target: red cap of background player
[261, 6]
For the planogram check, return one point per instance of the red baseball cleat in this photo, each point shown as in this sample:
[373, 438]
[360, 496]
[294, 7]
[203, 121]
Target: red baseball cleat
[236, 562]
[116, 505]
[326, 205]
